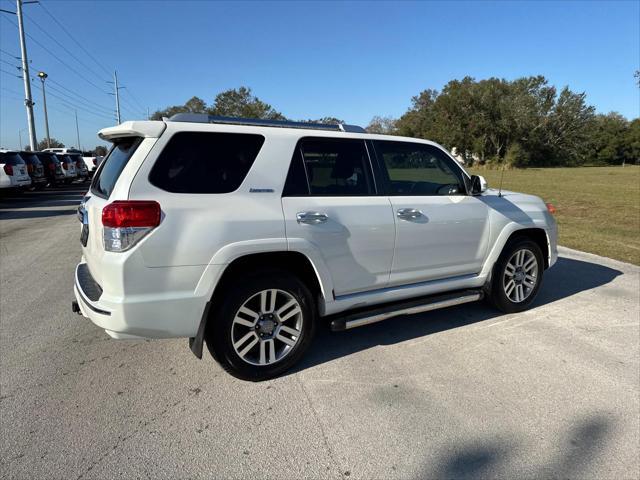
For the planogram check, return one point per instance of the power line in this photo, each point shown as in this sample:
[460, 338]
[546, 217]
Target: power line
[10, 73]
[57, 58]
[73, 38]
[134, 98]
[81, 107]
[10, 54]
[75, 94]
[62, 46]
[73, 99]
[9, 63]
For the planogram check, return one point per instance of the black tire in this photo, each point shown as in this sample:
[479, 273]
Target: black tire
[218, 334]
[498, 296]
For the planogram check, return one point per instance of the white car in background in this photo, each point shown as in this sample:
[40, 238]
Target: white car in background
[13, 170]
[92, 163]
[68, 165]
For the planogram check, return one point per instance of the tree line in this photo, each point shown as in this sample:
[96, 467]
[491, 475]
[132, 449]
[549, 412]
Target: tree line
[520, 123]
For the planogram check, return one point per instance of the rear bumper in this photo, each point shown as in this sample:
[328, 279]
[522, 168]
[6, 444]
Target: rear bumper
[21, 182]
[163, 315]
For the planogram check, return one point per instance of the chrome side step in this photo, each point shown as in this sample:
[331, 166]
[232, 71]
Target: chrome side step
[410, 307]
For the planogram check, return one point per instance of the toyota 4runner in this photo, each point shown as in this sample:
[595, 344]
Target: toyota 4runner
[247, 234]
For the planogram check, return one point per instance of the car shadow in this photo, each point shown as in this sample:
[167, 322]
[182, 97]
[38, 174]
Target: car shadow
[566, 278]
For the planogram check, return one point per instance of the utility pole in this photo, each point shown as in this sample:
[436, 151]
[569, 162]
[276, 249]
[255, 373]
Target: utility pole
[42, 76]
[148, 116]
[78, 131]
[28, 102]
[117, 95]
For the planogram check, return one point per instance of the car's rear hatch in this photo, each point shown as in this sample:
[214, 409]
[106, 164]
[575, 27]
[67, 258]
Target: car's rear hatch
[15, 168]
[111, 182]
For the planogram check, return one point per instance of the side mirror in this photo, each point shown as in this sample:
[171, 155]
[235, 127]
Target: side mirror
[478, 184]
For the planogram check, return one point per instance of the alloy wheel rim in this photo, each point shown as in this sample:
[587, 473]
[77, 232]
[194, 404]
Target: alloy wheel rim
[267, 327]
[520, 275]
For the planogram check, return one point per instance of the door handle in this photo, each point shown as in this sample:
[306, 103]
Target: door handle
[311, 218]
[409, 213]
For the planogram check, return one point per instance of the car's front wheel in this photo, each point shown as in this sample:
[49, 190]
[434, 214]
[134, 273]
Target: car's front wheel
[262, 326]
[517, 276]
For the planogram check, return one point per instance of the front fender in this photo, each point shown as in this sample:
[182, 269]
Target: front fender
[505, 234]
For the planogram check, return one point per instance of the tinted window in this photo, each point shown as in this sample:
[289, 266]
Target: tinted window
[202, 162]
[11, 159]
[418, 169]
[336, 167]
[47, 157]
[296, 184]
[106, 177]
[30, 158]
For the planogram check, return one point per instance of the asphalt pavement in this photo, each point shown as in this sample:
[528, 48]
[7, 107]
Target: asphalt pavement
[464, 392]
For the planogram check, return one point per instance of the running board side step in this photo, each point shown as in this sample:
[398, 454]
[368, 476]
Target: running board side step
[410, 307]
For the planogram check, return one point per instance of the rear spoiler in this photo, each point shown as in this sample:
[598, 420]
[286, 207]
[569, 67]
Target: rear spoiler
[147, 129]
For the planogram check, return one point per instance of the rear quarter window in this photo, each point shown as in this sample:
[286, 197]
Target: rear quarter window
[106, 177]
[205, 162]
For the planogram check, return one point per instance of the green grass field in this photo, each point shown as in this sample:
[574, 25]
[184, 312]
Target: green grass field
[598, 207]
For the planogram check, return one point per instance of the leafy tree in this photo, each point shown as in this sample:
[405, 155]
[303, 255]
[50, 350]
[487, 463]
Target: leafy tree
[238, 102]
[241, 102]
[326, 120]
[100, 151]
[42, 144]
[383, 125]
[633, 141]
[608, 139]
[522, 122]
[193, 105]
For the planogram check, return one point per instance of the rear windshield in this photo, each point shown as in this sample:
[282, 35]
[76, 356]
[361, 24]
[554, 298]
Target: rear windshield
[205, 162]
[11, 159]
[29, 157]
[112, 166]
[47, 157]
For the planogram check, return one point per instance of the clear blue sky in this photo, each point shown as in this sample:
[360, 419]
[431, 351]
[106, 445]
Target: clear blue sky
[350, 60]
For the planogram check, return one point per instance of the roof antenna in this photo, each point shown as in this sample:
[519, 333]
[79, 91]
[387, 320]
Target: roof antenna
[501, 177]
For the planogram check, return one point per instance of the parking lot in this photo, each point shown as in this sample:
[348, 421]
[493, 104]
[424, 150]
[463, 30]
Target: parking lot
[459, 393]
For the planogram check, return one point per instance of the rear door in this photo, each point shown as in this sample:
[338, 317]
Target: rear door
[441, 232]
[330, 203]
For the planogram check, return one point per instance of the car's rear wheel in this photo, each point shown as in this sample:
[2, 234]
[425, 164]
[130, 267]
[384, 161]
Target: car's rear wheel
[263, 325]
[517, 276]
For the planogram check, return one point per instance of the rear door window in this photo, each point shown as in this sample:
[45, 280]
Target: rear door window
[205, 162]
[332, 167]
[107, 176]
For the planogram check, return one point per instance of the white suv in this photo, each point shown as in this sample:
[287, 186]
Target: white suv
[13, 170]
[249, 233]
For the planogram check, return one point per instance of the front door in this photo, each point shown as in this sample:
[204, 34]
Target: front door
[330, 203]
[441, 232]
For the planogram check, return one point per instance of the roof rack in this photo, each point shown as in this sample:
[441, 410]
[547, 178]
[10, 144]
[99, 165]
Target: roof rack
[259, 122]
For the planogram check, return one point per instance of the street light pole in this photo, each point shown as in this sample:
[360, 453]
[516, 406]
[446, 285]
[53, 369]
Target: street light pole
[42, 76]
[28, 102]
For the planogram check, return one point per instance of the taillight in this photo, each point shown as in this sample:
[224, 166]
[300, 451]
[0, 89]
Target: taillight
[64, 165]
[95, 162]
[550, 208]
[8, 169]
[126, 222]
[30, 168]
[52, 167]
